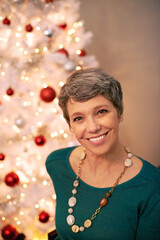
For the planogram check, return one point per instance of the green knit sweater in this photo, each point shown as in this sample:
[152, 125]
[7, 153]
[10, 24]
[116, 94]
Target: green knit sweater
[132, 212]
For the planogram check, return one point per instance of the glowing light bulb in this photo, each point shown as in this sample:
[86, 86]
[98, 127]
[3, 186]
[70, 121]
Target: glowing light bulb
[44, 182]
[21, 213]
[36, 205]
[61, 84]
[36, 50]
[8, 197]
[45, 49]
[3, 74]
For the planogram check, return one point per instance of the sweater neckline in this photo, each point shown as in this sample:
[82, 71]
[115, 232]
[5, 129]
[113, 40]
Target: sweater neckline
[124, 184]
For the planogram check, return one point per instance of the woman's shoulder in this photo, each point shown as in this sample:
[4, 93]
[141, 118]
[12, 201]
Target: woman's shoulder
[59, 154]
[151, 173]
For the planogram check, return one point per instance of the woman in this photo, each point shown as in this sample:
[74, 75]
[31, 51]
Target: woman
[103, 190]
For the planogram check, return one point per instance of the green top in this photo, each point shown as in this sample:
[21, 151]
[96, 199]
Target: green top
[132, 212]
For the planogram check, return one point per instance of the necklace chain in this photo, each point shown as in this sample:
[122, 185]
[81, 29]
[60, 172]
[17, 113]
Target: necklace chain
[72, 200]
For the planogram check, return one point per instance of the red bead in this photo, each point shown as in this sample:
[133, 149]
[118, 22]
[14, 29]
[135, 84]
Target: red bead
[2, 156]
[43, 217]
[40, 140]
[108, 194]
[63, 51]
[11, 179]
[62, 26]
[81, 53]
[29, 28]
[10, 91]
[103, 202]
[47, 94]
[9, 232]
[6, 21]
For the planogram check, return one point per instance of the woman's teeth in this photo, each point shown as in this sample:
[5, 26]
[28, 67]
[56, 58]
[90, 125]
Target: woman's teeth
[97, 138]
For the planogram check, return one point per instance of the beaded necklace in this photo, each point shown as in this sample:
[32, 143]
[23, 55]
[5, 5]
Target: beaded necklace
[72, 200]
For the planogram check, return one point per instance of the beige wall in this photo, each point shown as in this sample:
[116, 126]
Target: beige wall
[126, 43]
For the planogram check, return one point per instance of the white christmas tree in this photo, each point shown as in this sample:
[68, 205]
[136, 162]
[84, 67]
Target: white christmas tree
[41, 43]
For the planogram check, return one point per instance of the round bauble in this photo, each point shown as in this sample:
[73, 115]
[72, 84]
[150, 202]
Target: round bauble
[10, 92]
[29, 28]
[40, 140]
[62, 26]
[48, 32]
[47, 94]
[63, 51]
[6, 21]
[81, 53]
[20, 122]
[2, 156]
[11, 179]
[9, 232]
[43, 217]
[69, 66]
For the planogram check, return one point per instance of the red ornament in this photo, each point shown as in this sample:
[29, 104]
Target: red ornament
[49, 1]
[29, 28]
[40, 140]
[9, 232]
[11, 179]
[10, 91]
[47, 94]
[2, 156]
[62, 26]
[43, 217]
[6, 21]
[81, 53]
[63, 51]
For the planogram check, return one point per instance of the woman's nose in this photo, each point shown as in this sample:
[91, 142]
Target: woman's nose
[92, 125]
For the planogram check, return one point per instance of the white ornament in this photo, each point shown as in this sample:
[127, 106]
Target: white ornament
[70, 220]
[20, 122]
[48, 32]
[69, 66]
[72, 201]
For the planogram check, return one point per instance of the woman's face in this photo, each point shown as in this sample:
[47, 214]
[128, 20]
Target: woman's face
[95, 124]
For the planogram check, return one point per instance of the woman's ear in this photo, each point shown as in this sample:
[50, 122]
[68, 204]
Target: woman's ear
[121, 118]
[70, 128]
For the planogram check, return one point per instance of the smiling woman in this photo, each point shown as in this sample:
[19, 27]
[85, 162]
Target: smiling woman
[86, 176]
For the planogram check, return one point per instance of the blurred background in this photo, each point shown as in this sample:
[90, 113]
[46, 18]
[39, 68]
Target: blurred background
[126, 44]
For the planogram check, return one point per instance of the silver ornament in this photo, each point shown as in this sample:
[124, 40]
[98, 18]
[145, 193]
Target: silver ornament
[48, 32]
[69, 66]
[20, 122]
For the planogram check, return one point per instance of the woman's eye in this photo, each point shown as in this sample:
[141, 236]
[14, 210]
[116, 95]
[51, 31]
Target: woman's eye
[102, 111]
[76, 119]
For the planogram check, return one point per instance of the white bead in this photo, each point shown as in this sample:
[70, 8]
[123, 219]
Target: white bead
[74, 191]
[81, 228]
[70, 210]
[83, 155]
[76, 183]
[128, 162]
[72, 201]
[70, 220]
[130, 155]
[127, 149]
